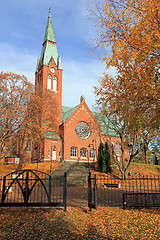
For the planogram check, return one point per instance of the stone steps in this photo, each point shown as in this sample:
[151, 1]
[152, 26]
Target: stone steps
[77, 173]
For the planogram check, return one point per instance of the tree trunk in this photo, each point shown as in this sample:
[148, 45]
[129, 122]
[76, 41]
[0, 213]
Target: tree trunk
[145, 154]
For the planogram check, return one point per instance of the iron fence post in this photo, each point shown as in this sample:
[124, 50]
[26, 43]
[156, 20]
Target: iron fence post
[95, 192]
[3, 189]
[49, 189]
[26, 188]
[89, 192]
[65, 191]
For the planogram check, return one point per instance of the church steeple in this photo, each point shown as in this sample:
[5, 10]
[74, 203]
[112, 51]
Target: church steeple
[49, 69]
[49, 49]
[49, 33]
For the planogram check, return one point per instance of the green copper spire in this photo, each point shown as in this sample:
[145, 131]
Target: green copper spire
[49, 48]
[49, 33]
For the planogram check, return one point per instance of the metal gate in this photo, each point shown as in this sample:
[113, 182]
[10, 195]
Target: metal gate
[33, 188]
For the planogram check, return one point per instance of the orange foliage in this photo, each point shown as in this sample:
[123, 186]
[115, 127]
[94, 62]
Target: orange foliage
[44, 167]
[21, 113]
[129, 34]
[132, 30]
[15, 93]
[78, 223]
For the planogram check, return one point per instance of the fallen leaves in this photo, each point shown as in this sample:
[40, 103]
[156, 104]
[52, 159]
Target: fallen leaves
[54, 223]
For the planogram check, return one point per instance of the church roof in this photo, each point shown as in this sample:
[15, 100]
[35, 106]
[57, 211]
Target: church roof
[108, 127]
[49, 33]
[52, 135]
[67, 111]
[49, 49]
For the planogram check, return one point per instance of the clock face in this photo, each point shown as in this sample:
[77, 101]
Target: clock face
[52, 70]
[83, 131]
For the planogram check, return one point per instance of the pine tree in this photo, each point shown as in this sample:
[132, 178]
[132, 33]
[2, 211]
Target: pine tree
[107, 158]
[101, 160]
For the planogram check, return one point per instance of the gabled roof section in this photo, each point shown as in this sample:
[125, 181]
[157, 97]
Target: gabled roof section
[67, 111]
[49, 33]
[106, 124]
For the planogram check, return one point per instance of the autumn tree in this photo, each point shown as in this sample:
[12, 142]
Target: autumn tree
[129, 34]
[15, 93]
[21, 113]
[39, 118]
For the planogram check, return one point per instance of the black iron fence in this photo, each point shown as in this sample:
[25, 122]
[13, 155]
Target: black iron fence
[136, 191]
[33, 188]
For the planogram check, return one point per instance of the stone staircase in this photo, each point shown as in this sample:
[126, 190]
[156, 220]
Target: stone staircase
[77, 173]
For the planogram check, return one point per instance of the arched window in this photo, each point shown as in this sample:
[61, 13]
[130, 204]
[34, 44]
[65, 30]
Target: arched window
[49, 82]
[92, 153]
[83, 152]
[116, 147]
[55, 83]
[73, 152]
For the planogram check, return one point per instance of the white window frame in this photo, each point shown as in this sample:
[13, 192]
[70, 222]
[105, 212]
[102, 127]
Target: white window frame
[73, 152]
[54, 84]
[49, 82]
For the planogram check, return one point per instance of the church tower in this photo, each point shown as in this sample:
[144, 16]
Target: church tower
[49, 70]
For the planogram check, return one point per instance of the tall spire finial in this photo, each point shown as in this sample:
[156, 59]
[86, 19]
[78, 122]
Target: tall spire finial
[49, 33]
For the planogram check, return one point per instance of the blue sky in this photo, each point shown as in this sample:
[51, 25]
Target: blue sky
[22, 27]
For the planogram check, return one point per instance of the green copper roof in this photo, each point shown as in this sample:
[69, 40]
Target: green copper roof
[108, 128]
[49, 49]
[48, 52]
[66, 112]
[52, 135]
[49, 33]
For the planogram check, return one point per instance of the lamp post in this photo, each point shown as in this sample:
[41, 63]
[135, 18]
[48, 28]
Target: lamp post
[95, 148]
[51, 162]
[88, 156]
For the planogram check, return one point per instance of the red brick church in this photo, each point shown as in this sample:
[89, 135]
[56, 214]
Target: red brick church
[80, 132]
